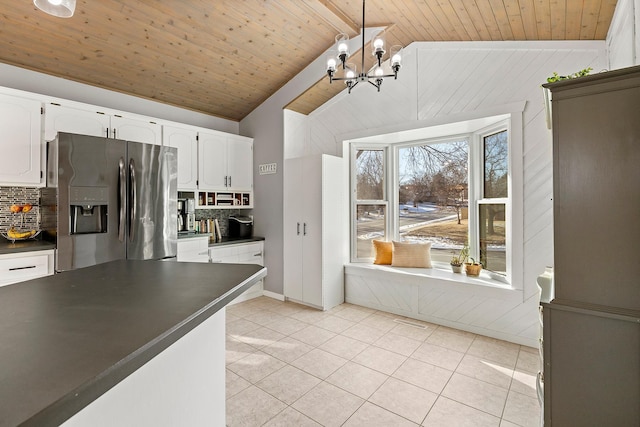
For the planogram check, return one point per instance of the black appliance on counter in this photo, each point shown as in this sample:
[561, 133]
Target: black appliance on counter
[240, 226]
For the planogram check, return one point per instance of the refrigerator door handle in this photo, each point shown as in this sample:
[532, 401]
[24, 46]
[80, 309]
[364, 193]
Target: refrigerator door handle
[122, 199]
[133, 201]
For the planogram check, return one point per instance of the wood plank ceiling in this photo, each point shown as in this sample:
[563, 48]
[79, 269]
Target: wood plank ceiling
[225, 57]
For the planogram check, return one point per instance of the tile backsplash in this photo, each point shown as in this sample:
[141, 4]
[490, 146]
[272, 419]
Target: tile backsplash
[222, 215]
[19, 196]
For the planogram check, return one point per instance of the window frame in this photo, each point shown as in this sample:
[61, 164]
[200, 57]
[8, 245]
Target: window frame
[507, 122]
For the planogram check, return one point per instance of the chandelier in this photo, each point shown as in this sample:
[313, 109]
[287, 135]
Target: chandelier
[377, 74]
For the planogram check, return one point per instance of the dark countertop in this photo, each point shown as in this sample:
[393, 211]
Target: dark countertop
[68, 338]
[6, 247]
[224, 241]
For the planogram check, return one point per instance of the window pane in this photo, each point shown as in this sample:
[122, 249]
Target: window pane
[493, 242]
[433, 196]
[495, 165]
[370, 175]
[370, 225]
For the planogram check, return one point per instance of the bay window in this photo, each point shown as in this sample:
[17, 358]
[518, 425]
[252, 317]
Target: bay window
[452, 190]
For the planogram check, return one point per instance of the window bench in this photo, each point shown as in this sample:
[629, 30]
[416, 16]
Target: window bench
[475, 304]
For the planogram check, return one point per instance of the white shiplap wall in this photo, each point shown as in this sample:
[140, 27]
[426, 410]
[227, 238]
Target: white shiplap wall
[439, 81]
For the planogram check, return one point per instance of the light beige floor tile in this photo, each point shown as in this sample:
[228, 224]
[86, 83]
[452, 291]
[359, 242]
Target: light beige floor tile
[264, 317]
[398, 344]
[377, 321]
[290, 418]
[242, 309]
[363, 333]
[234, 383]
[423, 375]
[477, 394]
[381, 360]
[319, 363]
[288, 384]
[252, 407]
[290, 308]
[522, 410]
[260, 337]
[287, 349]
[524, 383]
[231, 317]
[236, 350]
[505, 423]
[404, 399]
[439, 356]
[328, 404]
[309, 315]
[496, 350]
[240, 326]
[445, 337]
[528, 362]
[370, 415]
[528, 349]
[486, 370]
[344, 347]
[256, 366]
[448, 413]
[287, 325]
[313, 335]
[357, 379]
[335, 324]
[354, 314]
[414, 332]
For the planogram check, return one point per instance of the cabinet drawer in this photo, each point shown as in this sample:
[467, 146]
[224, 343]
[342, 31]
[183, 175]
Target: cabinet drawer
[14, 270]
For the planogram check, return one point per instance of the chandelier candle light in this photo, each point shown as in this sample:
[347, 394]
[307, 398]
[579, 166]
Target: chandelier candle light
[351, 76]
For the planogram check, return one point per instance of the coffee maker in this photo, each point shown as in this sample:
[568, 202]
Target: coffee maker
[186, 215]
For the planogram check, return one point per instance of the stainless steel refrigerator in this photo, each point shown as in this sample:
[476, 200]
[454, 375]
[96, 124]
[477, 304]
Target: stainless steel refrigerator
[109, 199]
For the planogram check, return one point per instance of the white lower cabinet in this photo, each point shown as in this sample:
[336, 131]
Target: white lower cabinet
[241, 253]
[314, 252]
[195, 249]
[18, 267]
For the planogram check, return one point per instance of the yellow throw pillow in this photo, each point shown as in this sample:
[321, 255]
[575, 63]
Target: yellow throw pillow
[383, 252]
[411, 254]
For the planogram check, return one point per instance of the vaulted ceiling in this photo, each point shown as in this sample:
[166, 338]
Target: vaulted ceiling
[225, 57]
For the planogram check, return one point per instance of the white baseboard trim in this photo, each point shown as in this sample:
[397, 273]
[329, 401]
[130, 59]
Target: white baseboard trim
[273, 295]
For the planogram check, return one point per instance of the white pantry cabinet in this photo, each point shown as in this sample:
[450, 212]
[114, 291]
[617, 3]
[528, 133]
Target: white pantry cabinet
[225, 162]
[18, 267]
[20, 129]
[185, 140]
[241, 253]
[59, 118]
[313, 240]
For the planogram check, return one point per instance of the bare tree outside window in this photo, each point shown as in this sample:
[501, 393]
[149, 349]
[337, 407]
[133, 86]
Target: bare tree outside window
[433, 195]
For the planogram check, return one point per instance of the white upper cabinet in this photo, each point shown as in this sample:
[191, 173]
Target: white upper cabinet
[20, 141]
[60, 118]
[225, 162]
[185, 140]
[136, 130]
[64, 119]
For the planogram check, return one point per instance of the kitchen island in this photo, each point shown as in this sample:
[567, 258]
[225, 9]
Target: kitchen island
[120, 343]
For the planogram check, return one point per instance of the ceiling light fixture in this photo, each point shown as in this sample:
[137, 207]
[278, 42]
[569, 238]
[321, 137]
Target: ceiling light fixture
[351, 76]
[59, 8]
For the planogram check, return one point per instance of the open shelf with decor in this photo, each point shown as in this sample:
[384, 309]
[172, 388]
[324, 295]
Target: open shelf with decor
[225, 199]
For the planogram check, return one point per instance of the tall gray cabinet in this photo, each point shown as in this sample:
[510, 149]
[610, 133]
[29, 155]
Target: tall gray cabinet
[591, 332]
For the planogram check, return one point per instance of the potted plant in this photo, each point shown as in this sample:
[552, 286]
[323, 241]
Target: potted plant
[473, 268]
[556, 78]
[459, 259]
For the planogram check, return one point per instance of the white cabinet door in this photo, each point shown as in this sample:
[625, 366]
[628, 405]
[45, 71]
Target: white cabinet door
[64, 119]
[194, 249]
[136, 130]
[293, 228]
[212, 161]
[240, 163]
[20, 127]
[312, 285]
[185, 140]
